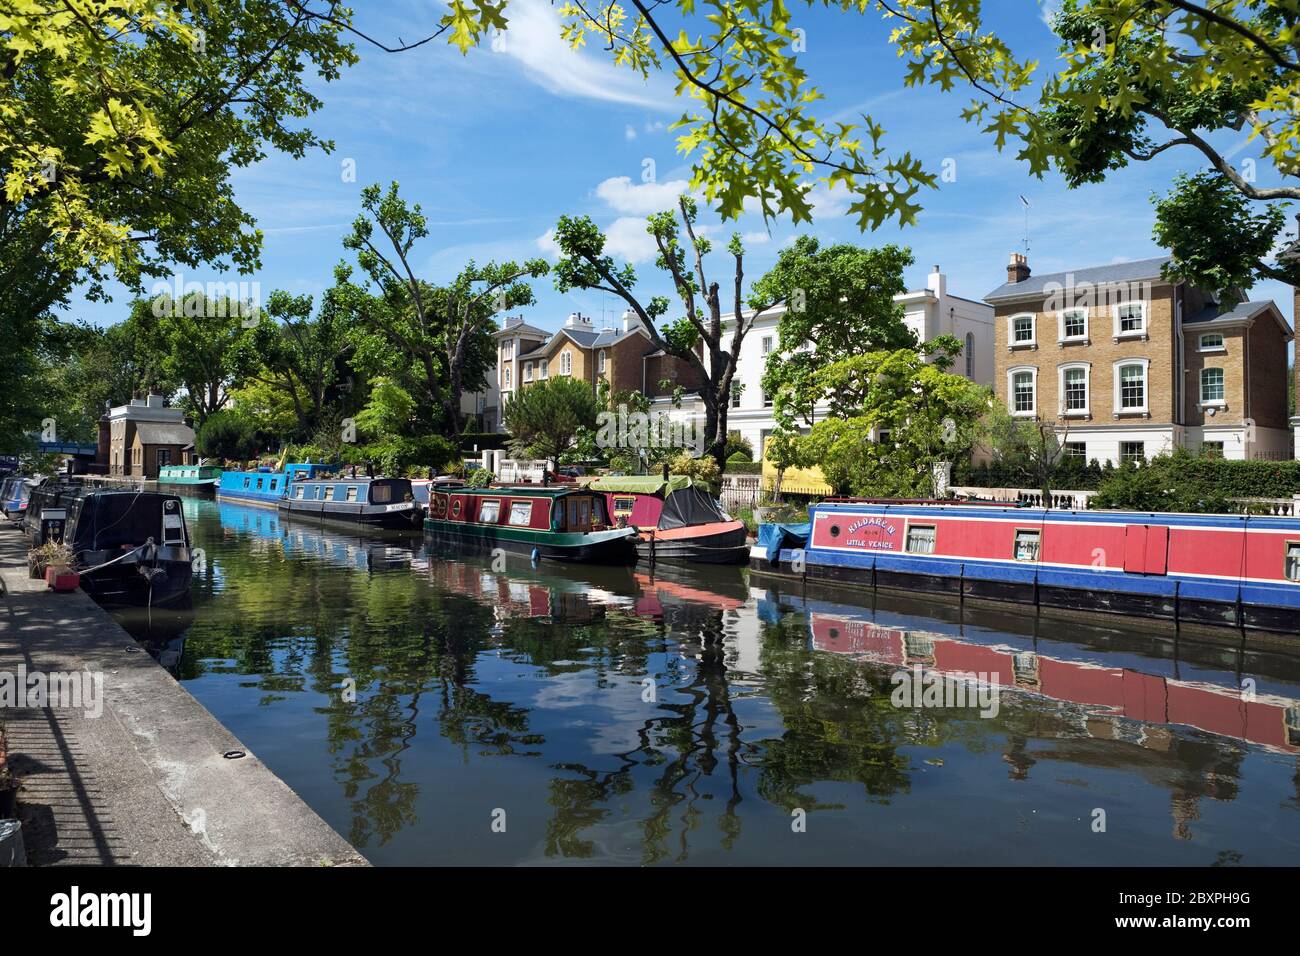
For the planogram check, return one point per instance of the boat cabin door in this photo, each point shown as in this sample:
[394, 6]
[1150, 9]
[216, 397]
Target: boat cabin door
[579, 515]
[173, 524]
[1146, 549]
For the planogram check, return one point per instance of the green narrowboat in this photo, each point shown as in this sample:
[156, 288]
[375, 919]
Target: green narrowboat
[556, 522]
[203, 478]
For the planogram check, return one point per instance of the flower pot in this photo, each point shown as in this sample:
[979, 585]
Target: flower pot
[62, 579]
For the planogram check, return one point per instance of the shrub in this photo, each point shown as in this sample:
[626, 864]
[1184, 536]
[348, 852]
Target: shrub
[704, 469]
[1184, 482]
[225, 435]
[744, 467]
[479, 478]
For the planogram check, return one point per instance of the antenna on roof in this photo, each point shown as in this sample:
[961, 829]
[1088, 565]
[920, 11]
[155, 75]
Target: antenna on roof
[1025, 203]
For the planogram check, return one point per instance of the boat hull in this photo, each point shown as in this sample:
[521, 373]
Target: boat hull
[723, 543]
[615, 547]
[395, 517]
[163, 581]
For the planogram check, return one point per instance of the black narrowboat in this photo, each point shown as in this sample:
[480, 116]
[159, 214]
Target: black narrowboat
[373, 502]
[129, 547]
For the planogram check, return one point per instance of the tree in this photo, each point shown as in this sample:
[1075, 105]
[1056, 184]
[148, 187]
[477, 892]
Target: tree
[1134, 79]
[226, 435]
[441, 333]
[841, 305]
[584, 265]
[121, 126]
[304, 359]
[546, 418]
[1034, 442]
[896, 417]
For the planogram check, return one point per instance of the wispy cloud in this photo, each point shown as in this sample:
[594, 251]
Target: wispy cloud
[533, 40]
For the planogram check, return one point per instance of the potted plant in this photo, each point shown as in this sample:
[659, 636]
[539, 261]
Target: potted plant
[52, 554]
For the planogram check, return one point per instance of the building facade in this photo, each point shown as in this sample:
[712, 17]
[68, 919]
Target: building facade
[1127, 364]
[143, 436]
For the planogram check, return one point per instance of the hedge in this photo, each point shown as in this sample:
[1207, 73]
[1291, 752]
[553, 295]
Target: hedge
[1183, 482]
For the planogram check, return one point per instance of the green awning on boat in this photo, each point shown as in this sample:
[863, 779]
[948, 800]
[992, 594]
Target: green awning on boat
[641, 484]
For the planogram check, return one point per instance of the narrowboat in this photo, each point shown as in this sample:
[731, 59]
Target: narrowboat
[14, 495]
[1219, 570]
[562, 523]
[373, 502]
[265, 486]
[676, 519]
[129, 547]
[199, 478]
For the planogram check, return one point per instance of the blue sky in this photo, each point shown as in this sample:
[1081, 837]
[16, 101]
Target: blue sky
[495, 146]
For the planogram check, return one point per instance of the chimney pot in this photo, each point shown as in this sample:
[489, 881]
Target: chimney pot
[1018, 268]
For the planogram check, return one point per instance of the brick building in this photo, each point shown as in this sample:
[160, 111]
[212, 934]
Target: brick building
[140, 437]
[1128, 364]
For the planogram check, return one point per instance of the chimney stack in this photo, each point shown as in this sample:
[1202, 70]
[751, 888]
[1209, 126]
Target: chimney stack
[1018, 267]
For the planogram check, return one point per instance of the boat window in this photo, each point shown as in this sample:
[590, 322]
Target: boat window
[246, 482]
[329, 492]
[920, 539]
[623, 506]
[489, 511]
[297, 492]
[352, 493]
[259, 484]
[274, 482]
[1293, 560]
[381, 494]
[521, 512]
[1027, 545]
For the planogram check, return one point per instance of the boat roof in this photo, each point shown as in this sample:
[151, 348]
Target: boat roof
[533, 491]
[641, 484]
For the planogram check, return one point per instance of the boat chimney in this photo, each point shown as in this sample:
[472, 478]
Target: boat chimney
[665, 471]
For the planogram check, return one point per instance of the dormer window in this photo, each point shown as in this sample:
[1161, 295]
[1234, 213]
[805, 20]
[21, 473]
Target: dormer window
[1022, 331]
[1074, 325]
[1130, 319]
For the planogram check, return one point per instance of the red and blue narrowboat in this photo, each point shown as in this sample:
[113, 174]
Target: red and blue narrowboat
[565, 523]
[676, 519]
[373, 502]
[1222, 570]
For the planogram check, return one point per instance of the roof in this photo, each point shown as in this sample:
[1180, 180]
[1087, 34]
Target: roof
[520, 328]
[641, 484]
[1135, 271]
[1241, 312]
[519, 491]
[164, 433]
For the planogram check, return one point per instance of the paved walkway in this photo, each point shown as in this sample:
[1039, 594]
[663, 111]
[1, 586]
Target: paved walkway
[145, 782]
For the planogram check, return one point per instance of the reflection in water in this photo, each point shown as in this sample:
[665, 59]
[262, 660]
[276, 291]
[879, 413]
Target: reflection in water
[613, 715]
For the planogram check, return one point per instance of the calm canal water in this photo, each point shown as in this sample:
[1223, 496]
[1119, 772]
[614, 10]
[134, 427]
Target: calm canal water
[608, 716]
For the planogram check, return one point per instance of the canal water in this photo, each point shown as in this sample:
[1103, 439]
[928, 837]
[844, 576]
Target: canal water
[443, 710]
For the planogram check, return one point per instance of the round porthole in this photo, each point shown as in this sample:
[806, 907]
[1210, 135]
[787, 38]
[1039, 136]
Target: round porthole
[835, 531]
[455, 508]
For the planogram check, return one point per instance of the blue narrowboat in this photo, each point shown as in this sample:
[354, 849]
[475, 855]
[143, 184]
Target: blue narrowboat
[264, 486]
[1220, 570]
[15, 492]
[373, 502]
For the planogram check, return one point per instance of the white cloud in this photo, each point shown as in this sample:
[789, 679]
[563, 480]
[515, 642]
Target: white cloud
[546, 242]
[629, 132]
[533, 40]
[756, 238]
[640, 199]
[626, 238]
[829, 201]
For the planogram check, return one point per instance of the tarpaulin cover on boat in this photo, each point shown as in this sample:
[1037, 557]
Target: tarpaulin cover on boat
[100, 520]
[774, 537]
[641, 484]
[689, 506]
